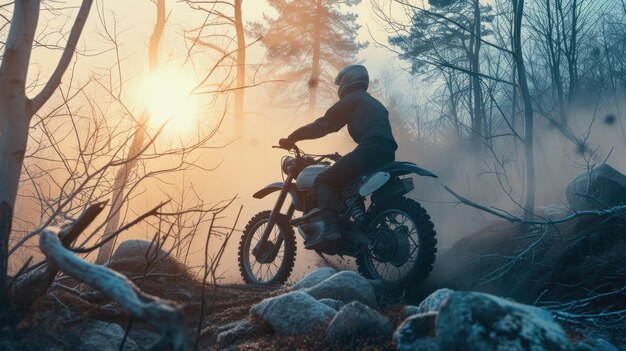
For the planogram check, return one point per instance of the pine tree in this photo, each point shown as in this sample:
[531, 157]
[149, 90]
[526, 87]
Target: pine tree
[309, 41]
[449, 35]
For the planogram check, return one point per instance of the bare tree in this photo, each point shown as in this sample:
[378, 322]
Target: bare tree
[237, 56]
[17, 109]
[138, 140]
[529, 198]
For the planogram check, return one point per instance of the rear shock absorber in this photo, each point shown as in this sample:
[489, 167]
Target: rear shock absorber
[357, 210]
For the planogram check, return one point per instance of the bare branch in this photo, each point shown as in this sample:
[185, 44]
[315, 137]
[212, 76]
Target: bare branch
[162, 314]
[66, 57]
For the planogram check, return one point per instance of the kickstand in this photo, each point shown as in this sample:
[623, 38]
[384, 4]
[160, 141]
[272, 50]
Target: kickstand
[328, 263]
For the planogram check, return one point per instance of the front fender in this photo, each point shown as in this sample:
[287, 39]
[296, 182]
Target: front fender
[402, 168]
[277, 186]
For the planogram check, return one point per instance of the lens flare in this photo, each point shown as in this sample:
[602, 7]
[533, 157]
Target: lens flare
[167, 95]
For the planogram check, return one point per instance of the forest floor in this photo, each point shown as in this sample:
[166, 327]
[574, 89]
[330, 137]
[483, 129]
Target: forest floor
[587, 252]
[61, 317]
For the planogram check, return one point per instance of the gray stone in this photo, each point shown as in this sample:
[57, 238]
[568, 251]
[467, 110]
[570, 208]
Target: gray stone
[600, 188]
[478, 321]
[435, 301]
[131, 249]
[294, 313]
[144, 336]
[315, 277]
[411, 333]
[102, 336]
[334, 304]
[409, 310]
[604, 345]
[345, 286]
[594, 345]
[357, 321]
[583, 346]
[130, 258]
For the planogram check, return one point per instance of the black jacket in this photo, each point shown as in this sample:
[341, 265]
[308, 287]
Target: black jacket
[366, 117]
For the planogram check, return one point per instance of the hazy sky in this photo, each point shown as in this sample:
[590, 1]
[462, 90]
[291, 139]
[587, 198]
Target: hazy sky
[135, 19]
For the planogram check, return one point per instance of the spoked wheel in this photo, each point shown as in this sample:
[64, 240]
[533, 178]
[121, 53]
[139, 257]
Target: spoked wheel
[273, 265]
[402, 243]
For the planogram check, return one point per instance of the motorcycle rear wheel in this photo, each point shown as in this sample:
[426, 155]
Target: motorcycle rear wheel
[270, 273]
[387, 224]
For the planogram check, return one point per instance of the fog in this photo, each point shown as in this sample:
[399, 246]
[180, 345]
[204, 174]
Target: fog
[232, 166]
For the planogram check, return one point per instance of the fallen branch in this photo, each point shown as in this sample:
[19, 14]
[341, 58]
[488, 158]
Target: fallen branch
[509, 217]
[26, 289]
[152, 212]
[164, 315]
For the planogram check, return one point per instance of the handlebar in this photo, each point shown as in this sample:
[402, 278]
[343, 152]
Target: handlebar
[300, 154]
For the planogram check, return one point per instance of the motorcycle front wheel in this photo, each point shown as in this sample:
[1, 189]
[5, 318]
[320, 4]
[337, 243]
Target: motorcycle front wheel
[276, 269]
[402, 245]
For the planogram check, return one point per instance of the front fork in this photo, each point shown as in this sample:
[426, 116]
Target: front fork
[259, 251]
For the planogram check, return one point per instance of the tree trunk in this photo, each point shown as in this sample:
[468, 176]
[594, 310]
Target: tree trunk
[123, 174]
[15, 115]
[572, 62]
[477, 90]
[554, 51]
[529, 201]
[241, 70]
[118, 197]
[314, 81]
[16, 110]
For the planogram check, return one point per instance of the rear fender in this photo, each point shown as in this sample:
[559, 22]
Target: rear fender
[277, 186]
[393, 189]
[403, 168]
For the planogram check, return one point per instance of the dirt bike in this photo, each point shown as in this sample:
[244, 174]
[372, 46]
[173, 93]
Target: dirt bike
[390, 235]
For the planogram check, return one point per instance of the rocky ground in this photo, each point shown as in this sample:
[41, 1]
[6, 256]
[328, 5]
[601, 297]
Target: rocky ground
[484, 294]
[325, 310]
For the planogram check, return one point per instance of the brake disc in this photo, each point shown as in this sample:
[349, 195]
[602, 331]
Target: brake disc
[268, 253]
[384, 245]
[403, 247]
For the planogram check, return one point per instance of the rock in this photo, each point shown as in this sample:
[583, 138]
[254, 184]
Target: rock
[357, 321]
[435, 301]
[583, 346]
[595, 345]
[238, 331]
[136, 248]
[478, 321]
[334, 304]
[409, 310]
[101, 336]
[144, 336]
[604, 345]
[294, 313]
[130, 258]
[314, 277]
[345, 286]
[600, 188]
[417, 333]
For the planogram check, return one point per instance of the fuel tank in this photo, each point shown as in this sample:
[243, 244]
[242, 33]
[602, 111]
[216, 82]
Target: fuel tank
[307, 176]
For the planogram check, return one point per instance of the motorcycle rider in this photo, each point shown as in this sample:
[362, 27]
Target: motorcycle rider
[368, 125]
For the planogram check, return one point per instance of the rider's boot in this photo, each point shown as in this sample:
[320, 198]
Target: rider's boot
[329, 238]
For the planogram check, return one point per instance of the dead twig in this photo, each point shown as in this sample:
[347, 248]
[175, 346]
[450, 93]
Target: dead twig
[164, 315]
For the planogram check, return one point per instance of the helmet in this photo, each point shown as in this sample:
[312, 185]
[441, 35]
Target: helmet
[350, 76]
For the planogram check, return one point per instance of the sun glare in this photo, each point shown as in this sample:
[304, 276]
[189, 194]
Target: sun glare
[167, 95]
